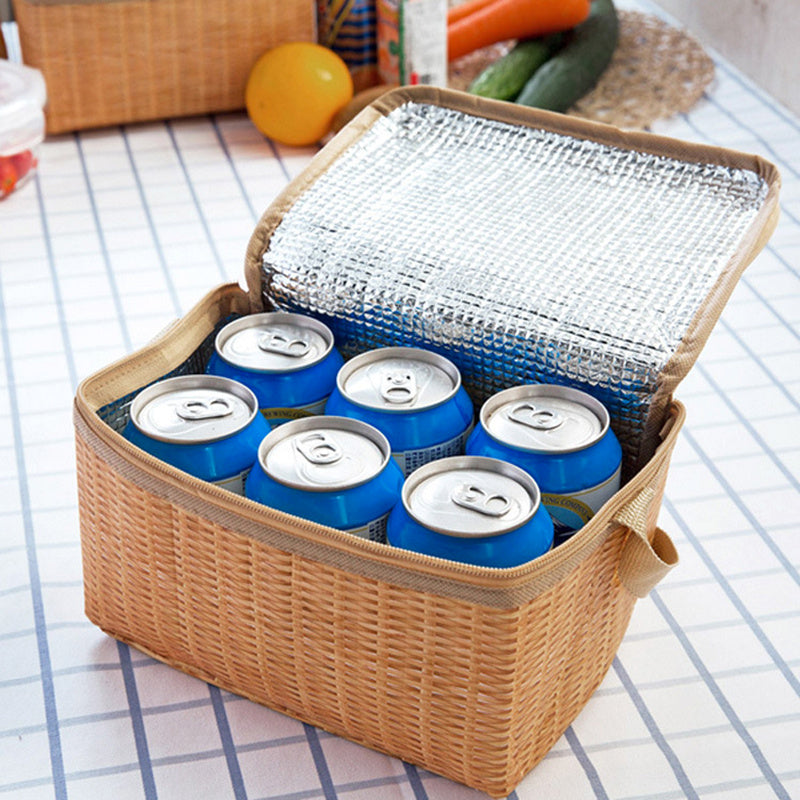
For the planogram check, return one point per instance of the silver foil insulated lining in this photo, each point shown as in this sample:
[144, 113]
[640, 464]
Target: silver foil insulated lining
[521, 254]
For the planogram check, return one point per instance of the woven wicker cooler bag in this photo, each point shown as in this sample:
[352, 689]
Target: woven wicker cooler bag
[110, 62]
[470, 672]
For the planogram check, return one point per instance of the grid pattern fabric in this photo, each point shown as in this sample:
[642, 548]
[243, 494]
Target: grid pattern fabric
[126, 228]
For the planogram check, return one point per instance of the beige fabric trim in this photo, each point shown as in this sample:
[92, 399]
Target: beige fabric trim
[644, 563]
[646, 558]
[169, 349]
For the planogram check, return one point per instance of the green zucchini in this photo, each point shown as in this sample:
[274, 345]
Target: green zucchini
[504, 79]
[575, 69]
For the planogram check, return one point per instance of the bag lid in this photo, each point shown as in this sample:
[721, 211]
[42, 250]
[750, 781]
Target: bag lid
[526, 246]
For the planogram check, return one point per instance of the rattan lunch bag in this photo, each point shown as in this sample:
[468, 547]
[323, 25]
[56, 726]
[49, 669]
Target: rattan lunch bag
[528, 247]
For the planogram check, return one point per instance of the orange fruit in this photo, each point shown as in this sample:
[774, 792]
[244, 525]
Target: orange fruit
[294, 91]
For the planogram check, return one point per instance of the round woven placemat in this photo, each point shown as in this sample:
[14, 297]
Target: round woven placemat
[657, 71]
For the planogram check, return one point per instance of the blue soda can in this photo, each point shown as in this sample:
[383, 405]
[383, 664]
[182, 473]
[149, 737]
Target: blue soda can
[331, 470]
[560, 436]
[288, 360]
[474, 510]
[203, 424]
[413, 396]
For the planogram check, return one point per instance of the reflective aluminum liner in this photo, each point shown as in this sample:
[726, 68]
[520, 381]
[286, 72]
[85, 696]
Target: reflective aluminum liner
[206, 425]
[288, 360]
[331, 470]
[413, 396]
[490, 274]
[560, 436]
[474, 510]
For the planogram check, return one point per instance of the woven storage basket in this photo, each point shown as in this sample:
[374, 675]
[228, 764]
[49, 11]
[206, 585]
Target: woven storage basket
[470, 672]
[108, 62]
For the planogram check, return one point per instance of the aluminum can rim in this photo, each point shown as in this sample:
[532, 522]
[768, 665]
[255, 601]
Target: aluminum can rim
[531, 390]
[381, 353]
[297, 426]
[453, 463]
[179, 382]
[286, 317]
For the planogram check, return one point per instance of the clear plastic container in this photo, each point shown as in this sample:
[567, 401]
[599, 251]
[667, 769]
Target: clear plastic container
[22, 100]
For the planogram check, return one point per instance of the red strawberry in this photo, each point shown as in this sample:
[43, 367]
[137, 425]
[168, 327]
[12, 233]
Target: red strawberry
[8, 176]
[22, 163]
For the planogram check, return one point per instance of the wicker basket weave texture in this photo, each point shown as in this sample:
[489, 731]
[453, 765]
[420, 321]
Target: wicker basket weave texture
[470, 672]
[122, 61]
[477, 694]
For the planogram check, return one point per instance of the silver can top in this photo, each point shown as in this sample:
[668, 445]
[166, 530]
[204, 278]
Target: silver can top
[275, 341]
[545, 418]
[324, 453]
[398, 379]
[470, 496]
[193, 409]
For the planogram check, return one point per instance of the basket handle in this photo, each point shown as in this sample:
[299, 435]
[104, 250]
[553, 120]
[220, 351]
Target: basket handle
[644, 559]
[643, 563]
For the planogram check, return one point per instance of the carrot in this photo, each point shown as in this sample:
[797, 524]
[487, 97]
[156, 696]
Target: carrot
[500, 20]
[455, 13]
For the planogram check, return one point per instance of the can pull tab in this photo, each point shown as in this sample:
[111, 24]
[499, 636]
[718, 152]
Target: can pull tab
[204, 409]
[399, 386]
[319, 448]
[541, 419]
[470, 496]
[276, 342]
